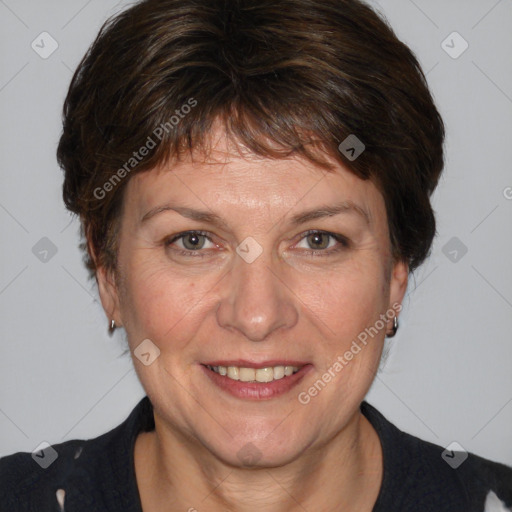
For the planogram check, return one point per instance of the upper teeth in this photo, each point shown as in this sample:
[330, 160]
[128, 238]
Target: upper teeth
[266, 374]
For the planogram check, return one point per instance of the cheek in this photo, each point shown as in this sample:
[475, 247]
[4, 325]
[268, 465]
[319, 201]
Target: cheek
[346, 301]
[158, 303]
[166, 305]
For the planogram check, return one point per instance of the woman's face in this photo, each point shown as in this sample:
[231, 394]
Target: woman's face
[258, 292]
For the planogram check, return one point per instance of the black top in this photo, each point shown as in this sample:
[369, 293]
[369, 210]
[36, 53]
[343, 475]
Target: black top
[98, 475]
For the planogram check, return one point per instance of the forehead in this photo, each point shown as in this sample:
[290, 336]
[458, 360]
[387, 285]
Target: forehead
[226, 177]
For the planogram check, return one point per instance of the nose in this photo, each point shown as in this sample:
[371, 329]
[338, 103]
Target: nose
[256, 300]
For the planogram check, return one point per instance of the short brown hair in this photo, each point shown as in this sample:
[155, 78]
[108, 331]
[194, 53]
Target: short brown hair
[284, 77]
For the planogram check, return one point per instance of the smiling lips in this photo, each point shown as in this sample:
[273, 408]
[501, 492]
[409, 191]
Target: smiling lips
[261, 380]
[262, 374]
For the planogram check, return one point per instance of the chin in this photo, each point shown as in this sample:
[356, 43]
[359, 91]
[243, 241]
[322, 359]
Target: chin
[255, 456]
[265, 450]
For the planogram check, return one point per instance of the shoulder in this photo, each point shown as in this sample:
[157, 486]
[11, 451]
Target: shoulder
[483, 478]
[459, 478]
[32, 479]
[422, 476]
[93, 474]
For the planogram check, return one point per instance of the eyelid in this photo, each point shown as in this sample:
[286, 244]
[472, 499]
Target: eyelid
[343, 242]
[173, 238]
[341, 239]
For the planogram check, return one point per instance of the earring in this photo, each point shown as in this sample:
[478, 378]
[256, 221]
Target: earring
[112, 327]
[395, 328]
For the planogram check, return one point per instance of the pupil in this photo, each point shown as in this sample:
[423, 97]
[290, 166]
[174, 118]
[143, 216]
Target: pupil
[193, 241]
[317, 239]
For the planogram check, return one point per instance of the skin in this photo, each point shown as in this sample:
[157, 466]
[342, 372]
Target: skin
[286, 304]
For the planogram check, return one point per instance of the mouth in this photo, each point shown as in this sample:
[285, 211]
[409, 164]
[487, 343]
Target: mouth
[261, 381]
[261, 374]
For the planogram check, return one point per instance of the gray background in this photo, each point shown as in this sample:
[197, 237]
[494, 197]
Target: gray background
[449, 374]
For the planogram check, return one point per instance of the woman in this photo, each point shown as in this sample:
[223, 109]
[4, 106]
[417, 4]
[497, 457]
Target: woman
[253, 181]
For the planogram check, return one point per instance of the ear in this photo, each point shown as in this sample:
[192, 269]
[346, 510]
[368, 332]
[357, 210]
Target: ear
[107, 287]
[109, 294]
[398, 282]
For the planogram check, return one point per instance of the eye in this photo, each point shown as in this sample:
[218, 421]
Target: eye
[323, 241]
[190, 241]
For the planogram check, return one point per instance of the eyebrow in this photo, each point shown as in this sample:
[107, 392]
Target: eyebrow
[331, 211]
[300, 218]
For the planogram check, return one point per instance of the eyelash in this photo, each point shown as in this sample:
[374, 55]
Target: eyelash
[342, 241]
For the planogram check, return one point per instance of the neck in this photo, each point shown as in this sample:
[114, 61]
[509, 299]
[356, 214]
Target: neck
[174, 473]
